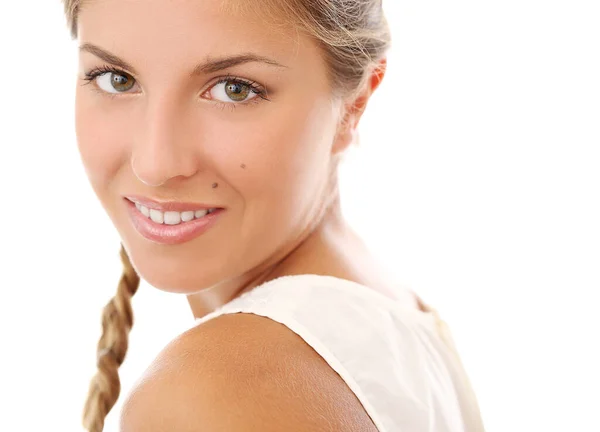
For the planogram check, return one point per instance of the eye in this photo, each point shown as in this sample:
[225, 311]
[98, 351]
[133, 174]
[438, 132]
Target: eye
[228, 90]
[235, 90]
[111, 80]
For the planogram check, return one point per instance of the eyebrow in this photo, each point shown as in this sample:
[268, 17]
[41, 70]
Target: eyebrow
[208, 66]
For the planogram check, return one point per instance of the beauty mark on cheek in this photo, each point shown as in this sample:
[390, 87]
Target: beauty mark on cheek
[243, 165]
[214, 185]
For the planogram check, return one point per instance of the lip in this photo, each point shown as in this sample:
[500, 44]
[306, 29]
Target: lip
[171, 234]
[169, 205]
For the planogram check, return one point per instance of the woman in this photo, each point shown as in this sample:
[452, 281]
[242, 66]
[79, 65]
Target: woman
[211, 132]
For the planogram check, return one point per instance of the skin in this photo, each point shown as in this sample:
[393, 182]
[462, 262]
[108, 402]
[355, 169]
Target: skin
[271, 164]
[283, 211]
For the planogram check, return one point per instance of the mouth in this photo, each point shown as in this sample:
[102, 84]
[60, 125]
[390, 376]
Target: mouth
[171, 227]
[172, 217]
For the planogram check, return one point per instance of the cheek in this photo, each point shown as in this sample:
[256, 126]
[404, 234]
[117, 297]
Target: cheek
[287, 158]
[299, 147]
[100, 139]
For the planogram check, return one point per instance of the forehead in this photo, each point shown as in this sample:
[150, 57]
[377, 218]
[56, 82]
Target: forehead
[167, 31]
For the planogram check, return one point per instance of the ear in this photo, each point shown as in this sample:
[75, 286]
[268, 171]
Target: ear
[355, 107]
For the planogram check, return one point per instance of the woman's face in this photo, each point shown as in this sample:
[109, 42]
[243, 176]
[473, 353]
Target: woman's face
[167, 129]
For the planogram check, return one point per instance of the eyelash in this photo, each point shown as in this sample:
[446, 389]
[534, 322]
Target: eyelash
[261, 93]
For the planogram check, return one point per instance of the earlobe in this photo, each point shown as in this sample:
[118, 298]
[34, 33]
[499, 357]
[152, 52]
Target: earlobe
[343, 139]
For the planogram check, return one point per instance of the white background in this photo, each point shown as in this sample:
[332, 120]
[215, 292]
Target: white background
[485, 134]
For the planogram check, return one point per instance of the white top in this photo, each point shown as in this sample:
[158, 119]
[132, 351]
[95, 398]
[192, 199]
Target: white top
[400, 362]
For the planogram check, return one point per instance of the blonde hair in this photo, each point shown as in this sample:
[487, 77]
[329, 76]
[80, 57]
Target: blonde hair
[117, 320]
[354, 37]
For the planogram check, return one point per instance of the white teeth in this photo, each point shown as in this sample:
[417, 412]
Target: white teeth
[171, 217]
[187, 216]
[157, 216]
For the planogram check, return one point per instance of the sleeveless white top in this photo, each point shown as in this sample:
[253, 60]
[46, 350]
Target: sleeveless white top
[399, 361]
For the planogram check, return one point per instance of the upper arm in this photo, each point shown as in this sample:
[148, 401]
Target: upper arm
[242, 372]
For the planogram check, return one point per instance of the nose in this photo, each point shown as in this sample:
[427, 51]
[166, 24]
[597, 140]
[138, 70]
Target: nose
[161, 152]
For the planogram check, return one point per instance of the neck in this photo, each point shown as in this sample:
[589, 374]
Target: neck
[306, 254]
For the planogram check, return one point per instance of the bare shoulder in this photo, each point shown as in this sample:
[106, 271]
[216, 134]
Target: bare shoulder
[242, 372]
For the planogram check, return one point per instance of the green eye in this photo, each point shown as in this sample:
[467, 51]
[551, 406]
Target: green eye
[237, 91]
[111, 81]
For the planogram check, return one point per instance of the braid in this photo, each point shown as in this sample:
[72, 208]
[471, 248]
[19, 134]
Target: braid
[117, 320]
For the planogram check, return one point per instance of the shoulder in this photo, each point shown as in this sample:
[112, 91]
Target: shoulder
[241, 372]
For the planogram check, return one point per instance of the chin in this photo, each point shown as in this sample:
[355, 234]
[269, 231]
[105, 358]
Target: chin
[175, 274]
[173, 283]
